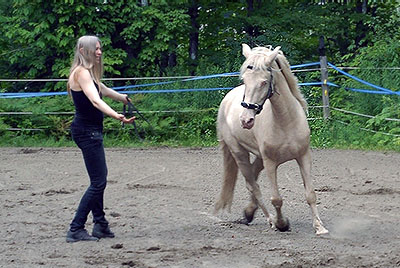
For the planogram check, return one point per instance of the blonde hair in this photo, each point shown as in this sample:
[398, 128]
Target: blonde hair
[85, 56]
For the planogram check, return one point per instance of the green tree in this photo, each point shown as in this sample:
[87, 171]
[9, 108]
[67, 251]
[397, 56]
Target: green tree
[39, 36]
[152, 38]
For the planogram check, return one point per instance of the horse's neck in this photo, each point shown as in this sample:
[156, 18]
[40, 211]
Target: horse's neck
[284, 105]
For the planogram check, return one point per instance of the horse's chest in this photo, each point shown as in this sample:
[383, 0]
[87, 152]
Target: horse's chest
[284, 149]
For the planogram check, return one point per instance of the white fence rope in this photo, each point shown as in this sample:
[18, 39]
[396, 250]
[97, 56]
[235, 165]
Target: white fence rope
[143, 112]
[363, 115]
[186, 77]
[367, 116]
[197, 110]
[210, 109]
[107, 79]
[370, 130]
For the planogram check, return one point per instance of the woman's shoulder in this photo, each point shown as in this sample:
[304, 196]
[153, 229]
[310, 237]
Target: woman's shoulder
[80, 72]
[78, 75]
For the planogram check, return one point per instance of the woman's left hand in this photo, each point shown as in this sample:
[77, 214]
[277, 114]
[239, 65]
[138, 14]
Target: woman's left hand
[128, 120]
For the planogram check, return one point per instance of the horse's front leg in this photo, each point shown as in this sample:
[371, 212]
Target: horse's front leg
[247, 171]
[251, 208]
[281, 223]
[305, 169]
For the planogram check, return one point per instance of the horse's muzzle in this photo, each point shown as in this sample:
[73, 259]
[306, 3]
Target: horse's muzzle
[247, 123]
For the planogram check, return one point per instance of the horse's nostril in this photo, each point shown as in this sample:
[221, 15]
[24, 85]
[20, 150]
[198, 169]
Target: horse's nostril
[250, 120]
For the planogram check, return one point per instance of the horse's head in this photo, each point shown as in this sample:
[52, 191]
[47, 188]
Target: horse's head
[256, 73]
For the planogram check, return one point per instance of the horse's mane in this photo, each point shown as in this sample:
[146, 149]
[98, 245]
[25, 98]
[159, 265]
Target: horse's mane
[291, 80]
[258, 61]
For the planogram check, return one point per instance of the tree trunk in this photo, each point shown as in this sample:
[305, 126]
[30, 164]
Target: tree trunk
[193, 36]
[250, 28]
[168, 58]
[361, 27]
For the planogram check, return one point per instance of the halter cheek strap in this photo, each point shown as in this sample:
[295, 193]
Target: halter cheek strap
[258, 107]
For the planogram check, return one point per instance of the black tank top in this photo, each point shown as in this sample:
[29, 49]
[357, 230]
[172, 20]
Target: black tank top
[86, 115]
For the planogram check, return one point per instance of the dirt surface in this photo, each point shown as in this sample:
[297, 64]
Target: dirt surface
[160, 201]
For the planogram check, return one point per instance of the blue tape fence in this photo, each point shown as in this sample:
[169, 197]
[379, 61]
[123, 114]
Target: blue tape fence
[377, 89]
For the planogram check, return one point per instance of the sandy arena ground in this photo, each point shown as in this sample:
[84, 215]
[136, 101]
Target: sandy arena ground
[159, 203]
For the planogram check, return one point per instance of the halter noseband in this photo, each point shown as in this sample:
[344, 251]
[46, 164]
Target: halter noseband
[258, 107]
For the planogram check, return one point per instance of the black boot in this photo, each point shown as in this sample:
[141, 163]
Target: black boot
[79, 235]
[102, 231]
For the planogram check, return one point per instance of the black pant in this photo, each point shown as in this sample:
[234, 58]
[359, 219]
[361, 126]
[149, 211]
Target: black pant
[90, 141]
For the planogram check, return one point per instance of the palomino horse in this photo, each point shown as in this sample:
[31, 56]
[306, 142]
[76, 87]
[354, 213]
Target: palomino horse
[266, 117]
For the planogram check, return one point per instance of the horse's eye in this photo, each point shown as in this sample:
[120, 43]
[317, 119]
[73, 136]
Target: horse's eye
[263, 83]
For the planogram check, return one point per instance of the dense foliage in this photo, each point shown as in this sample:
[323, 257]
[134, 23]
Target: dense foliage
[170, 38]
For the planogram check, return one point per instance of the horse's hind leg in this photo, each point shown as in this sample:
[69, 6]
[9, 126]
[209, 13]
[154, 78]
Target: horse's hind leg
[250, 210]
[305, 169]
[230, 173]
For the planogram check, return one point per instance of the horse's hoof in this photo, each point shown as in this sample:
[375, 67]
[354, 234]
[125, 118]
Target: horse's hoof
[283, 225]
[249, 215]
[321, 231]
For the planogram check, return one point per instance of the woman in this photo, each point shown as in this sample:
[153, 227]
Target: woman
[87, 91]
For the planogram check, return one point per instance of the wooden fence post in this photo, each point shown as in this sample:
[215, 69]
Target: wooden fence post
[324, 77]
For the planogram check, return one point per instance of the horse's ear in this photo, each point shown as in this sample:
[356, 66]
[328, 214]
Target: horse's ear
[275, 53]
[246, 50]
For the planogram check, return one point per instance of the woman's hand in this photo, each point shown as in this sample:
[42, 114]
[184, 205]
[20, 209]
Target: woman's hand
[125, 99]
[125, 120]
[128, 120]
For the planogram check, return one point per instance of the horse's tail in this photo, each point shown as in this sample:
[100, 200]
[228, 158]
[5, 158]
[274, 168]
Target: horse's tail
[229, 179]
[292, 81]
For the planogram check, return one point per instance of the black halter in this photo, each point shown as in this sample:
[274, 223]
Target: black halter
[258, 107]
